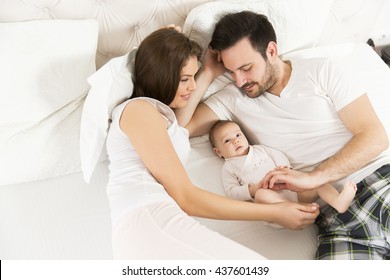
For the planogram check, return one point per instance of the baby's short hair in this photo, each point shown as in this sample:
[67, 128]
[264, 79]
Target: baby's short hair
[216, 126]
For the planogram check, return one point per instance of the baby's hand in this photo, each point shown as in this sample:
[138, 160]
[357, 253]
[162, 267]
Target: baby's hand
[280, 167]
[253, 188]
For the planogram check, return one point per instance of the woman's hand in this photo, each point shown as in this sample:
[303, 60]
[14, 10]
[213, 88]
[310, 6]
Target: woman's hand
[295, 216]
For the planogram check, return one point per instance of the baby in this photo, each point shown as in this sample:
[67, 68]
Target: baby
[245, 165]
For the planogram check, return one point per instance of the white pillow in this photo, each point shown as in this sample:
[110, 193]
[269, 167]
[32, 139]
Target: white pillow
[298, 24]
[110, 86]
[44, 67]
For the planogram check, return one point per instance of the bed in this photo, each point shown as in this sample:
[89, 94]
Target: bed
[53, 168]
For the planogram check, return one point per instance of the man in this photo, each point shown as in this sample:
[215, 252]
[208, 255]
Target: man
[316, 115]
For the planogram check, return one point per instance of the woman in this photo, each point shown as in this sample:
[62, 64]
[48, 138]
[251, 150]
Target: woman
[150, 194]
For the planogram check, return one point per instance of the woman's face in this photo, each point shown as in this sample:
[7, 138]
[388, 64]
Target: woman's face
[187, 83]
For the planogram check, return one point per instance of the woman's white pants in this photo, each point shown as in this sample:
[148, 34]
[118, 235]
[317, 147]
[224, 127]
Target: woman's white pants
[159, 229]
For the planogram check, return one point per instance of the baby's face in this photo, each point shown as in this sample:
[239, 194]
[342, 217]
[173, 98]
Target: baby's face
[230, 141]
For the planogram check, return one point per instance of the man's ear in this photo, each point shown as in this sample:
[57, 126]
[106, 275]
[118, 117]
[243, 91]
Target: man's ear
[217, 152]
[272, 50]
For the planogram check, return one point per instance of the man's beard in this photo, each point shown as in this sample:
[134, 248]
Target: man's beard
[269, 79]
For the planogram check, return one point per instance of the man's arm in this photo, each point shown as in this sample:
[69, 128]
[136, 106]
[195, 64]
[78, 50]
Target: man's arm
[368, 141]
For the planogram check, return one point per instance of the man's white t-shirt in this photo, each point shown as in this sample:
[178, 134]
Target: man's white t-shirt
[303, 122]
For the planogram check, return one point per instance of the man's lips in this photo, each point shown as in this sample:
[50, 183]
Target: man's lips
[248, 87]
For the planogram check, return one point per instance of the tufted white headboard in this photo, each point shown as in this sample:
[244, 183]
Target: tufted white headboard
[122, 23]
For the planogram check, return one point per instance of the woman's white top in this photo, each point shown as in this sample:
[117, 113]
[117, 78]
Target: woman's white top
[130, 183]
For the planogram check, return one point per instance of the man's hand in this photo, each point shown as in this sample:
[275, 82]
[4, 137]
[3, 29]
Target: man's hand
[212, 63]
[172, 26]
[286, 178]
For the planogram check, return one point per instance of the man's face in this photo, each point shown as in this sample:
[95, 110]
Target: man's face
[251, 72]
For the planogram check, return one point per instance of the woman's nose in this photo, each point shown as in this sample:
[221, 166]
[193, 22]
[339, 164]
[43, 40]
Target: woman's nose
[192, 85]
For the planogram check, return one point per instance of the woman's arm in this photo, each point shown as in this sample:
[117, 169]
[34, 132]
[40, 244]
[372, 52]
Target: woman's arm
[149, 136]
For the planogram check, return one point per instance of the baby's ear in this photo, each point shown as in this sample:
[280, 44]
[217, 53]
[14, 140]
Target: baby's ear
[217, 152]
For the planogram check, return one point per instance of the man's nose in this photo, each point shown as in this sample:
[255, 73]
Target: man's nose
[240, 79]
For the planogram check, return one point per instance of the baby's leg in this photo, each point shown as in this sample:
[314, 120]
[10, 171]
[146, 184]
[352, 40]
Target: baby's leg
[269, 196]
[308, 196]
[339, 201]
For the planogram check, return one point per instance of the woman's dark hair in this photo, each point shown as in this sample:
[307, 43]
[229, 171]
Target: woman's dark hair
[158, 64]
[233, 27]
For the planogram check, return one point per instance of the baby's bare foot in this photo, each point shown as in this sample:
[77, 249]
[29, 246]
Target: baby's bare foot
[346, 197]
[350, 186]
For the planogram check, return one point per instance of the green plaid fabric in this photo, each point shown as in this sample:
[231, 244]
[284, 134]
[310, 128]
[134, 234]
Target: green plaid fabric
[362, 232]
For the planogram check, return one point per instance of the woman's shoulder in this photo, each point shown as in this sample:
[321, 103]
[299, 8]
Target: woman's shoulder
[146, 102]
[130, 106]
[139, 102]
[146, 105]
[139, 107]
[139, 115]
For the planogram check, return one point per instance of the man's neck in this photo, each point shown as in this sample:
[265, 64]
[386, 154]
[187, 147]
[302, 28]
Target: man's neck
[284, 73]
